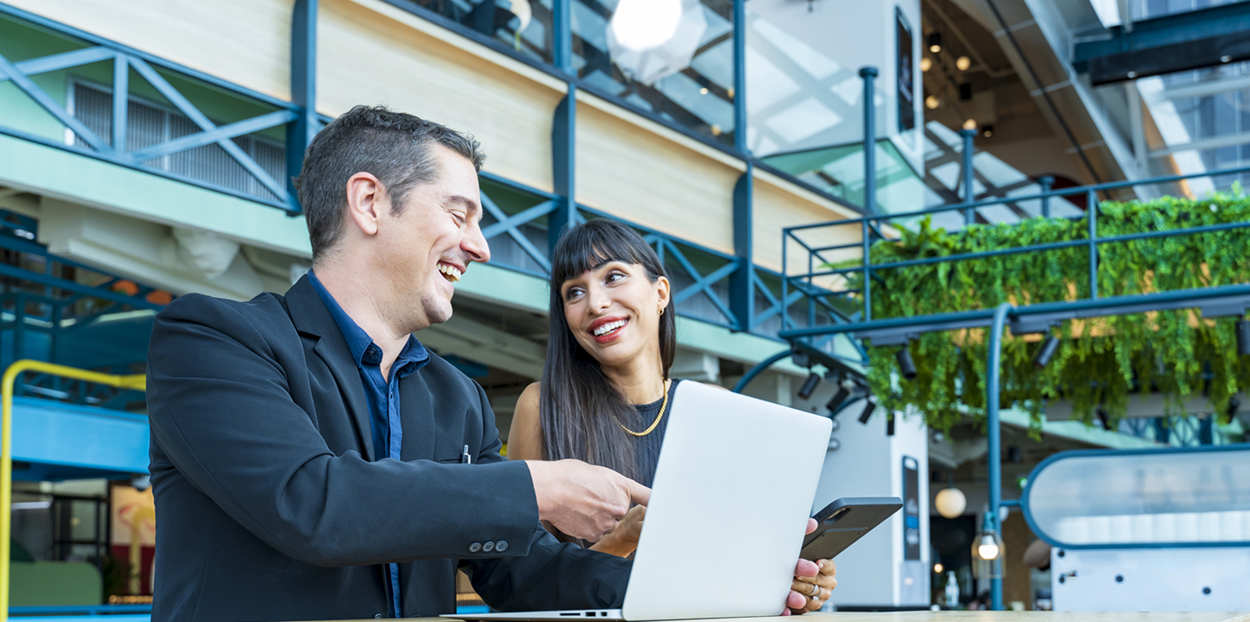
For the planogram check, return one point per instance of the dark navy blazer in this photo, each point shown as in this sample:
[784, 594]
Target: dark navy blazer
[270, 505]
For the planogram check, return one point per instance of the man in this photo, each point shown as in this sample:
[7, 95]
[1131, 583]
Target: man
[311, 460]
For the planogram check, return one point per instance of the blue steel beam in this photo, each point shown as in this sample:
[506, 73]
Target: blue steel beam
[65, 60]
[564, 167]
[303, 91]
[870, 139]
[1188, 40]
[994, 441]
[121, 102]
[740, 78]
[743, 281]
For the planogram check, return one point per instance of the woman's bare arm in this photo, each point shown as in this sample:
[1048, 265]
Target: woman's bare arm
[525, 439]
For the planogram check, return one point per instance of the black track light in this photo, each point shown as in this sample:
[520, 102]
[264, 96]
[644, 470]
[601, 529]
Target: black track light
[1103, 418]
[965, 91]
[836, 401]
[889, 425]
[809, 385]
[905, 365]
[935, 42]
[1243, 337]
[869, 406]
[1049, 347]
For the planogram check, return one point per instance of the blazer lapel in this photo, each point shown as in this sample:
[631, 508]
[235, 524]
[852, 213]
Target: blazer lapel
[311, 317]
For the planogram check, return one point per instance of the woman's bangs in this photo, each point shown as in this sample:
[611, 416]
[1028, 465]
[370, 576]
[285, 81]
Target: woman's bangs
[586, 249]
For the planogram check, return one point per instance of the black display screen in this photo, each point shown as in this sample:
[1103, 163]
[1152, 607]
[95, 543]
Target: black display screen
[904, 74]
[911, 508]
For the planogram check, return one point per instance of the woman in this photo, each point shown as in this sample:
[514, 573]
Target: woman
[605, 389]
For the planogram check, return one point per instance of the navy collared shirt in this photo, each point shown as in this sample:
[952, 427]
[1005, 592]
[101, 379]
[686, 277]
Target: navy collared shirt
[381, 393]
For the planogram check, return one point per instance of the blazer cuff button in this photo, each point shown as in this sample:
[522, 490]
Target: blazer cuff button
[501, 546]
[475, 547]
[488, 547]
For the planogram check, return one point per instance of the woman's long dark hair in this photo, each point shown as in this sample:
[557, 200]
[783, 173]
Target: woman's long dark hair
[579, 407]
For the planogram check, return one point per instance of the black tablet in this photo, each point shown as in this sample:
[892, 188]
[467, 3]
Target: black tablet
[843, 522]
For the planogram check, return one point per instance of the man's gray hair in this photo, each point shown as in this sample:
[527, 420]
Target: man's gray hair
[392, 146]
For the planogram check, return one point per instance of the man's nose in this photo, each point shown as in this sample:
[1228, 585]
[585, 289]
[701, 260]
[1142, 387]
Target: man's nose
[475, 245]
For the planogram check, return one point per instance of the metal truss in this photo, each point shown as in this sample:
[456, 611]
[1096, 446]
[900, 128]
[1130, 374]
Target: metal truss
[113, 148]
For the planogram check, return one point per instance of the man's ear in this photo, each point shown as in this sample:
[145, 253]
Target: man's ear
[366, 202]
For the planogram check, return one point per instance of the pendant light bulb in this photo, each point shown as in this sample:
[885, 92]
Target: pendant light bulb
[988, 548]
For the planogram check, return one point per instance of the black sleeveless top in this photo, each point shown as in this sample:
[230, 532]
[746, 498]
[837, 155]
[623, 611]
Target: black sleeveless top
[647, 448]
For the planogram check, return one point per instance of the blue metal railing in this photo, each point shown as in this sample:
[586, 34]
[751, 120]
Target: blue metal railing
[113, 148]
[870, 228]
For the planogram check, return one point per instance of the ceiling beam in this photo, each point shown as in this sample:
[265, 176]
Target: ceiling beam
[1182, 41]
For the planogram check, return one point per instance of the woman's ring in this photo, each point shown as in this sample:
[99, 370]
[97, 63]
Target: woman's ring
[815, 593]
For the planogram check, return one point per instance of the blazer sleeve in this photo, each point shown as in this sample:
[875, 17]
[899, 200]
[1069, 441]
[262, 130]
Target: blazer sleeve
[222, 412]
[555, 575]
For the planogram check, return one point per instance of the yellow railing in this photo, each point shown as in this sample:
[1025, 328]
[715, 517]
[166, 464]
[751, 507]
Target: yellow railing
[137, 382]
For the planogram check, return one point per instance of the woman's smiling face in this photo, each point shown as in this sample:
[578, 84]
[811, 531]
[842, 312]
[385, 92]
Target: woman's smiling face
[614, 311]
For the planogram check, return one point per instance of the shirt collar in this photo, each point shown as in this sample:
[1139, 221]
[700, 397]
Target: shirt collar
[364, 351]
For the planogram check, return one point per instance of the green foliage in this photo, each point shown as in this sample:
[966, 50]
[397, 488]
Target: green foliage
[1100, 361]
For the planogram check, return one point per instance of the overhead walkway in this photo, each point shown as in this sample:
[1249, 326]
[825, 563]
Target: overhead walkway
[54, 440]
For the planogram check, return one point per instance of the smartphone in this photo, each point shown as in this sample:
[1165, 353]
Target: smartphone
[845, 521]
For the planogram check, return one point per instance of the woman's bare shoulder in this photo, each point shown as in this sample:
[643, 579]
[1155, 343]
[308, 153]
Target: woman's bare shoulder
[525, 439]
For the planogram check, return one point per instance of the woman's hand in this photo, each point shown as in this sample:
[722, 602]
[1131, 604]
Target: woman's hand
[814, 589]
[622, 540]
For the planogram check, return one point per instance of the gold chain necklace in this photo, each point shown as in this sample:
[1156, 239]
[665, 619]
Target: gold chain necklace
[663, 407]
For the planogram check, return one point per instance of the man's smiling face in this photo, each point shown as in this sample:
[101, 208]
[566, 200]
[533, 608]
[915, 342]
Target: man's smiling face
[427, 247]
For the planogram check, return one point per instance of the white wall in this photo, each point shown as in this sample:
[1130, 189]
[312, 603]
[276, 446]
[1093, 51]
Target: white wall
[870, 464]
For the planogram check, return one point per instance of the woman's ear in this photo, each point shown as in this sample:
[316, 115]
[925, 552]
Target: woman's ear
[663, 292]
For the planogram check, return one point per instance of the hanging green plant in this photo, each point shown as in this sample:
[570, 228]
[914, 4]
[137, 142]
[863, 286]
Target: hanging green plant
[1101, 361]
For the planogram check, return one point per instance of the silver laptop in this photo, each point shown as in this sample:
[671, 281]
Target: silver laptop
[732, 491]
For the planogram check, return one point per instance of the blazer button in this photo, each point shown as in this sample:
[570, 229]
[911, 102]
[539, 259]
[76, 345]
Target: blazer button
[501, 546]
[488, 547]
[377, 616]
[475, 547]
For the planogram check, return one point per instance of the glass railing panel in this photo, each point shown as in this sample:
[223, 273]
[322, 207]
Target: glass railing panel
[1143, 498]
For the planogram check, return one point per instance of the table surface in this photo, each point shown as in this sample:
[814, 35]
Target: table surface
[994, 616]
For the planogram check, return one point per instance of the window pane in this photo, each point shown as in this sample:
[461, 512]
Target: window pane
[688, 79]
[523, 25]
